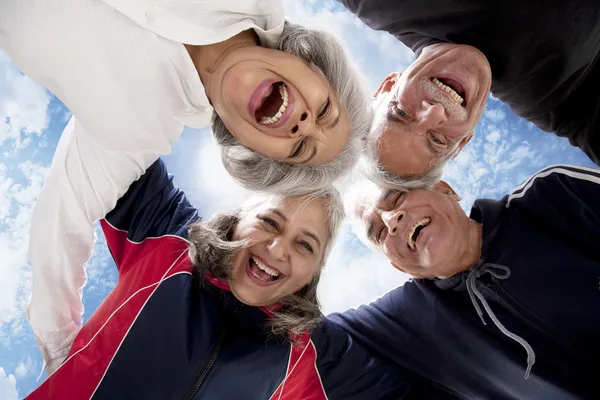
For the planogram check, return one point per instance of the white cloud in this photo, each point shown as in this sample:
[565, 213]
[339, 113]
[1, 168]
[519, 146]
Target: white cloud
[355, 275]
[495, 114]
[219, 190]
[23, 105]
[8, 386]
[24, 368]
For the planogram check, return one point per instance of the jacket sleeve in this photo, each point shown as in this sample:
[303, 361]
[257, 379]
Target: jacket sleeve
[84, 183]
[562, 197]
[375, 351]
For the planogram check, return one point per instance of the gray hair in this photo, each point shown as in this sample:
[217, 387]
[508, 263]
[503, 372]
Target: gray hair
[257, 172]
[212, 252]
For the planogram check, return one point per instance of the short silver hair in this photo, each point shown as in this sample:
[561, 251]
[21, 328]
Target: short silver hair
[257, 172]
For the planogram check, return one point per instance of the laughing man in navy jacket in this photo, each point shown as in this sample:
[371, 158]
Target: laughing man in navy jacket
[506, 302]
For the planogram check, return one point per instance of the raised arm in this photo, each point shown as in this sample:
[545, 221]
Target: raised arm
[83, 184]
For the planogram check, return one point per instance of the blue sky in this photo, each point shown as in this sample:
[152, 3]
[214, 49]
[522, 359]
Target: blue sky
[505, 151]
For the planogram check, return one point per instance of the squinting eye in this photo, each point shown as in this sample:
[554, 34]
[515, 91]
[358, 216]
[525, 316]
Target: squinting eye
[379, 235]
[400, 197]
[300, 149]
[307, 246]
[436, 140]
[271, 222]
[401, 113]
[325, 109]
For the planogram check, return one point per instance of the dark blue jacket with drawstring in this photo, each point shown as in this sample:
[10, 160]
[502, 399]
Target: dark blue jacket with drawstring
[536, 290]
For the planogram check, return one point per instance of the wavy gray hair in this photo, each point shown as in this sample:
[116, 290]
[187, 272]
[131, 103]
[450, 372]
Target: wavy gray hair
[212, 251]
[260, 173]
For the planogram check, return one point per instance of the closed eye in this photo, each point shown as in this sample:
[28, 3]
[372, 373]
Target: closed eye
[299, 150]
[379, 236]
[325, 108]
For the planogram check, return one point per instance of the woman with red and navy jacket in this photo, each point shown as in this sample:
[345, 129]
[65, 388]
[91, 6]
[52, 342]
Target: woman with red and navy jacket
[218, 309]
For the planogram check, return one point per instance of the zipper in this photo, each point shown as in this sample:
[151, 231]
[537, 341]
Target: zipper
[207, 367]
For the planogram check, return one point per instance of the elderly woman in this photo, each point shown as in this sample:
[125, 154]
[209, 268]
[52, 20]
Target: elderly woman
[218, 309]
[287, 108]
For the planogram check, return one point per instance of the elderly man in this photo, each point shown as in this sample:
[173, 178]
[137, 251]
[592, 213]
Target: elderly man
[539, 56]
[506, 302]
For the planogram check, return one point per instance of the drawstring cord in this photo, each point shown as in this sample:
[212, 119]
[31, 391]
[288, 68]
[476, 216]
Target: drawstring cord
[499, 272]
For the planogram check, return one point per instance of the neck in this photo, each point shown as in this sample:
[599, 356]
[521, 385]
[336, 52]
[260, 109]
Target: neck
[207, 58]
[475, 243]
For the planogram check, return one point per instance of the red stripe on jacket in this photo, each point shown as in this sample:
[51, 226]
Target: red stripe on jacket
[100, 338]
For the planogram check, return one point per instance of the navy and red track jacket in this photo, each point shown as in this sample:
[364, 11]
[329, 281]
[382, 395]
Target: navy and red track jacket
[161, 335]
[539, 275]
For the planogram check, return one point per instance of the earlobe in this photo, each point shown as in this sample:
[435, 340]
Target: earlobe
[387, 84]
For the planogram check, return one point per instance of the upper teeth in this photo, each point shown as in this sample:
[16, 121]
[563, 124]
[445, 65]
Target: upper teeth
[448, 90]
[271, 120]
[422, 222]
[262, 266]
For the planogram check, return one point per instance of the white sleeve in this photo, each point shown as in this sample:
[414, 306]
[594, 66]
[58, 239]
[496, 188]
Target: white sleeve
[83, 185]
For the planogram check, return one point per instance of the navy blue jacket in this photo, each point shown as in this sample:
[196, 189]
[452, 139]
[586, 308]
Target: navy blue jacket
[540, 276]
[160, 334]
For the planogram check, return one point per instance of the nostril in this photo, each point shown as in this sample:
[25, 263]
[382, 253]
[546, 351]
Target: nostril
[295, 129]
[303, 116]
[399, 218]
[393, 230]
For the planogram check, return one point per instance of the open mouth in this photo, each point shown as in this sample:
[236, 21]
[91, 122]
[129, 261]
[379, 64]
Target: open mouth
[452, 88]
[262, 272]
[415, 231]
[273, 104]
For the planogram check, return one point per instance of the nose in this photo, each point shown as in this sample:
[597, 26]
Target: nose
[433, 115]
[391, 220]
[304, 125]
[277, 249]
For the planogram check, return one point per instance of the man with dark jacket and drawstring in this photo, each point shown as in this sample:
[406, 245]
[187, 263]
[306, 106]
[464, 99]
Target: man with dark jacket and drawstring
[506, 302]
[539, 56]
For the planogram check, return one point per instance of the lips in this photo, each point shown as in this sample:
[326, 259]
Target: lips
[271, 104]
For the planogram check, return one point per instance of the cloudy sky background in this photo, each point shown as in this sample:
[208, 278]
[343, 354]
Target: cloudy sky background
[504, 152]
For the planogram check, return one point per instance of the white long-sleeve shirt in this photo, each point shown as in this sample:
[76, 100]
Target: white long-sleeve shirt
[121, 68]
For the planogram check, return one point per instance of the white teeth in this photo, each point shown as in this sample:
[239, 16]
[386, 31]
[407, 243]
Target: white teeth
[422, 222]
[448, 90]
[284, 95]
[262, 266]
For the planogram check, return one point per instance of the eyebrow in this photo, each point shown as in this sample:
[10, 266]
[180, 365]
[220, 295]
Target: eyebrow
[307, 233]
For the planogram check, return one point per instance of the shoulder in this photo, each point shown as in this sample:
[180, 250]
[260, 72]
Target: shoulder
[558, 181]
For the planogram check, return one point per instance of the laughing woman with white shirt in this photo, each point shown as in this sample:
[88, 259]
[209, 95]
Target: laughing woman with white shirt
[134, 72]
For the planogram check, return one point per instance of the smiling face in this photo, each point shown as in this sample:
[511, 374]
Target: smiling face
[430, 111]
[423, 232]
[287, 244]
[278, 105]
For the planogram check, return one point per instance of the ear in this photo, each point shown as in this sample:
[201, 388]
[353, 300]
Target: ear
[463, 142]
[388, 83]
[445, 188]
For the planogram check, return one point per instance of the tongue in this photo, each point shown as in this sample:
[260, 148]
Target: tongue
[270, 104]
[259, 272]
